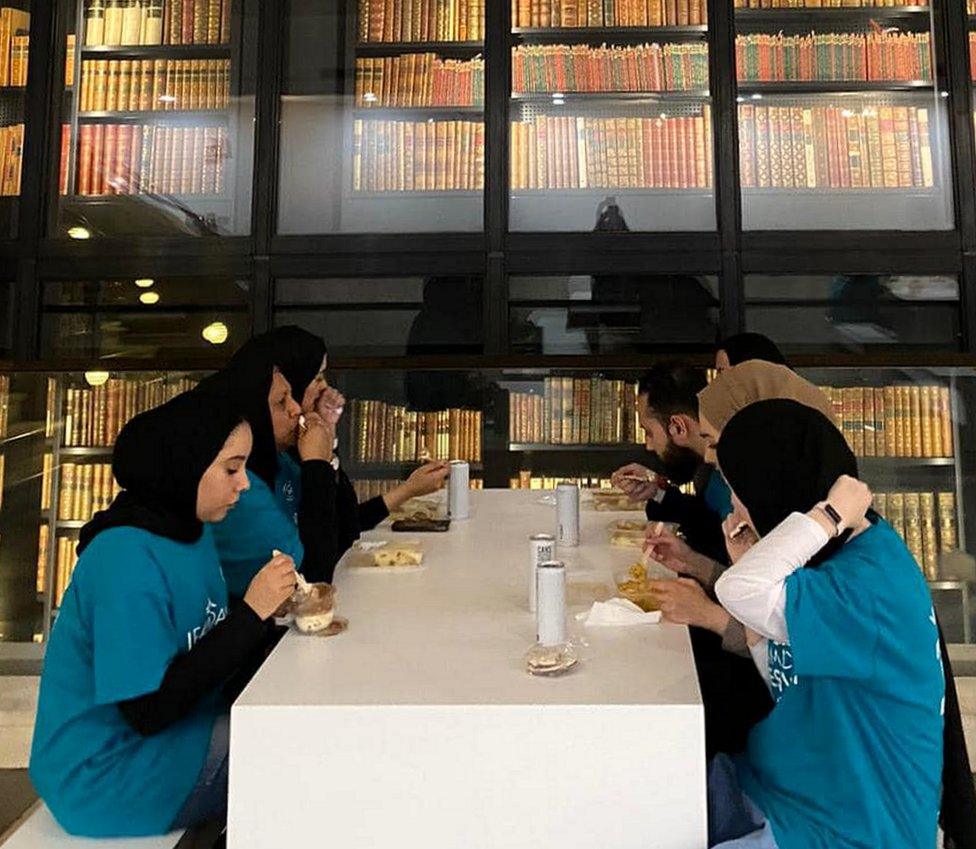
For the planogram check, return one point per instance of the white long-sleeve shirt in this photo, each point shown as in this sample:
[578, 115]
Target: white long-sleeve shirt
[754, 589]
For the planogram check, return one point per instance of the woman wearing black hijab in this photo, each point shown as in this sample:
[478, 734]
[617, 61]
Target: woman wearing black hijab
[852, 753]
[131, 732]
[301, 501]
[747, 346]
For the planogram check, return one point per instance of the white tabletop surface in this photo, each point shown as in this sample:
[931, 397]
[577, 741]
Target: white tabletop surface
[455, 632]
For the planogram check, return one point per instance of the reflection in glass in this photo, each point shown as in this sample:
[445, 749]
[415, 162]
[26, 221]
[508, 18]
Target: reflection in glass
[611, 313]
[145, 318]
[157, 127]
[383, 117]
[854, 312]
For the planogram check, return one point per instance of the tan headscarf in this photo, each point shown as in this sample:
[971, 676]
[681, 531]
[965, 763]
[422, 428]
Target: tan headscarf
[757, 380]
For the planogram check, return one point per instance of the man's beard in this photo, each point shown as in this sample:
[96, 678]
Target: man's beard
[679, 464]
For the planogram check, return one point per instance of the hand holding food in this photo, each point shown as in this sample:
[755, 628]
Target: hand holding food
[272, 586]
[330, 405]
[316, 438]
[683, 602]
[637, 481]
[428, 478]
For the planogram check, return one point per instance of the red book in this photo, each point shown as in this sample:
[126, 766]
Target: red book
[120, 168]
[135, 161]
[65, 151]
[187, 34]
[108, 159]
[86, 143]
[96, 187]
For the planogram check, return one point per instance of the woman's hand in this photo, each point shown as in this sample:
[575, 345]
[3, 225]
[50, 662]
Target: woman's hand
[272, 586]
[316, 439]
[739, 536]
[330, 404]
[683, 602]
[851, 498]
[669, 550]
[638, 482]
[428, 478]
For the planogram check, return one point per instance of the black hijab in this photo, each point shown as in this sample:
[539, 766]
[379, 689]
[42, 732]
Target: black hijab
[751, 346]
[158, 460]
[295, 352]
[780, 456]
[244, 384]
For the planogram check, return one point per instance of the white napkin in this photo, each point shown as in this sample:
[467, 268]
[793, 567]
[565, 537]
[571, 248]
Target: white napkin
[618, 611]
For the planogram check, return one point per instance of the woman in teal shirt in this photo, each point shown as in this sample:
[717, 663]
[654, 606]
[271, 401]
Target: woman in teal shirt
[131, 731]
[300, 501]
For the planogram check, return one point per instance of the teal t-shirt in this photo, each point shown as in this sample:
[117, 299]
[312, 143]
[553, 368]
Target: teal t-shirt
[136, 601]
[851, 755]
[718, 495]
[261, 522]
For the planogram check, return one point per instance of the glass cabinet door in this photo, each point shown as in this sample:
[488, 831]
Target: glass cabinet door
[14, 51]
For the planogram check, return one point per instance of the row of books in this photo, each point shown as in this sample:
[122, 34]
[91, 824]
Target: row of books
[389, 433]
[420, 79]
[526, 480]
[83, 489]
[404, 156]
[926, 521]
[972, 55]
[884, 55]
[93, 417]
[834, 147]
[11, 159]
[576, 411]
[65, 560]
[581, 152]
[131, 159]
[14, 46]
[895, 421]
[130, 85]
[421, 20]
[134, 22]
[367, 489]
[581, 68]
[823, 4]
[608, 13]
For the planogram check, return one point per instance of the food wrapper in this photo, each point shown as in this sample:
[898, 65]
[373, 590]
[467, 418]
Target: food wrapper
[317, 610]
[388, 555]
[612, 500]
[421, 507]
[625, 533]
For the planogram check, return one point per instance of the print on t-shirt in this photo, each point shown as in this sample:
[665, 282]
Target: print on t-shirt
[212, 615]
[781, 674]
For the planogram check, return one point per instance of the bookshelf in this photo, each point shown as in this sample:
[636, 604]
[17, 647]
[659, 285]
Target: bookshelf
[14, 51]
[154, 125]
[838, 107]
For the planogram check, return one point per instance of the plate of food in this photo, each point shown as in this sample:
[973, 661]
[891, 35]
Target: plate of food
[627, 533]
[387, 556]
[634, 585]
[613, 501]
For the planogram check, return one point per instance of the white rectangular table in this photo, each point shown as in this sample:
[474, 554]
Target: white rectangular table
[419, 727]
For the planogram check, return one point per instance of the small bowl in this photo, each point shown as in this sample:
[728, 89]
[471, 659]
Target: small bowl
[317, 611]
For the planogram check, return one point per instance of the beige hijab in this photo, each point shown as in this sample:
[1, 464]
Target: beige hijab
[752, 381]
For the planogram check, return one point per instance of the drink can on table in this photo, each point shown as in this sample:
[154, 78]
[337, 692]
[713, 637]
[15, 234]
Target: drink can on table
[567, 514]
[551, 598]
[458, 503]
[542, 548]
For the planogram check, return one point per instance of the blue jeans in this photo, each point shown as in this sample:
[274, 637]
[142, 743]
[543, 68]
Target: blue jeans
[734, 821]
[208, 799]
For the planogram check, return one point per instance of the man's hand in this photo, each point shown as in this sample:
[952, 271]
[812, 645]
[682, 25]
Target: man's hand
[638, 482]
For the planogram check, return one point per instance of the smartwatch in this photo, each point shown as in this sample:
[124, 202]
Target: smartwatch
[833, 515]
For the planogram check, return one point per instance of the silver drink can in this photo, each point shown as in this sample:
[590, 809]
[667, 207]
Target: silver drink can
[458, 496]
[550, 616]
[542, 548]
[567, 514]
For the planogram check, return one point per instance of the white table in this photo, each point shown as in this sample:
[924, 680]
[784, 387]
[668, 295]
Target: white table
[419, 727]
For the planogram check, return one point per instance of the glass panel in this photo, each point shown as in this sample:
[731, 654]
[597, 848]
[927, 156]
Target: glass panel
[387, 316]
[854, 312]
[182, 317]
[14, 44]
[382, 125]
[842, 118]
[583, 314]
[56, 437]
[610, 117]
[6, 318]
[157, 128]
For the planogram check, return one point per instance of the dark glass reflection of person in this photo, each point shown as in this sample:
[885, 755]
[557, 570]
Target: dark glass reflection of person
[449, 323]
[857, 304]
[667, 309]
